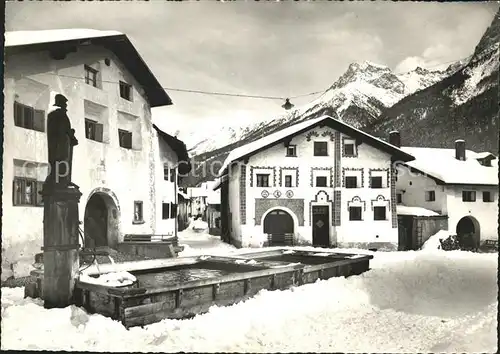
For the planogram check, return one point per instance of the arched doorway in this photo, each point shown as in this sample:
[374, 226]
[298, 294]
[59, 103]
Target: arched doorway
[278, 225]
[468, 233]
[101, 221]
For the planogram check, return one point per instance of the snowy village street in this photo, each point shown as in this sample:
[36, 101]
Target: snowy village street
[423, 301]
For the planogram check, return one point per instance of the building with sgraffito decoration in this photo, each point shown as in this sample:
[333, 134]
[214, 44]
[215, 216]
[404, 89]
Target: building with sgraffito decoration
[320, 182]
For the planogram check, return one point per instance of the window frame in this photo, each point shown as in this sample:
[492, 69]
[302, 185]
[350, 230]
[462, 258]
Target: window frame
[288, 178]
[165, 211]
[353, 145]
[376, 178]
[316, 151]
[472, 199]
[399, 198]
[124, 88]
[294, 149]
[430, 196]
[35, 121]
[378, 207]
[121, 134]
[352, 208]
[18, 199]
[92, 81]
[98, 130]
[346, 178]
[259, 177]
[325, 178]
[138, 219]
[490, 199]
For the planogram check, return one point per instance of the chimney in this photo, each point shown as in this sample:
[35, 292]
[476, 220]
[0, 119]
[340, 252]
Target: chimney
[395, 138]
[460, 149]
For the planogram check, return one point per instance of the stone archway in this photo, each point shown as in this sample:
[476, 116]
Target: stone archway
[468, 232]
[101, 223]
[278, 224]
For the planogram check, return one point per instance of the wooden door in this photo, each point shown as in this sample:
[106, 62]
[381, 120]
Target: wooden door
[321, 226]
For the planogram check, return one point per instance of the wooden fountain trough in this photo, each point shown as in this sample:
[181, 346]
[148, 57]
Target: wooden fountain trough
[186, 286]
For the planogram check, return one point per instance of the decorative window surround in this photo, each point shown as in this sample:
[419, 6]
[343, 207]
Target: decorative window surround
[322, 169]
[330, 134]
[393, 199]
[337, 162]
[356, 201]
[270, 169]
[321, 197]
[381, 201]
[354, 142]
[353, 169]
[387, 176]
[311, 134]
[281, 178]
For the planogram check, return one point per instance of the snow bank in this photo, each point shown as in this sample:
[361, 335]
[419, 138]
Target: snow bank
[110, 279]
[434, 242]
[408, 302]
[417, 211]
[198, 224]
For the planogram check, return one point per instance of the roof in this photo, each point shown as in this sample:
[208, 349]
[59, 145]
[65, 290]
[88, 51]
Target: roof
[179, 148]
[213, 197]
[268, 141]
[442, 165]
[416, 211]
[116, 42]
[195, 192]
[219, 181]
[182, 194]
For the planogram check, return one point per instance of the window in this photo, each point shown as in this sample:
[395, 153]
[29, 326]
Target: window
[91, 76]
[138, 217]
[487, 197]
[173, 210]
[291, 150]
[166, 173]
[354, 213]
[379, 213]
[28, 117]
[320, 181]
[288, 181]
[93, 130]
[172, 175]
[349, 149]
[399, 198]
[125, 138]
[351, 182]
[262, 180]
[468, 196]
[376, 182]
[25, 192]
[165, 211]
[430, 196]
[125, 91]
[320, 148]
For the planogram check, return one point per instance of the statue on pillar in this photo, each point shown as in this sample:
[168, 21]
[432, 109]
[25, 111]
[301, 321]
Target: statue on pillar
[61, 140]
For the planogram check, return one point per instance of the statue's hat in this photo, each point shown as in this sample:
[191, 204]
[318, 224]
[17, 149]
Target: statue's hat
[60, 100]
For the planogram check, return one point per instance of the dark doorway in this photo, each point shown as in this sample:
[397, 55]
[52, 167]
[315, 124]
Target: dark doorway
[468, 233]
[96, 222]
[321, 226]
[278, 225]
[405, 232]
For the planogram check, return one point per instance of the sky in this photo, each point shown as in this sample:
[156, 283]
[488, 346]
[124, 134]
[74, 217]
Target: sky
[278, 49]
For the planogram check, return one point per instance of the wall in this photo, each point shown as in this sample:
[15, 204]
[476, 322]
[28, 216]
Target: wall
[166, 191]
[304, 168]
[413, 186]
[485, 213]
[428, 226]
[34, 79]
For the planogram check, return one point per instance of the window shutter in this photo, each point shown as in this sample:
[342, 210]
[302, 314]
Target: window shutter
[39, 188]
[14, 192]
[39, 120]
[173, 210]
[18, 114]
[98, 132]
[29, 117]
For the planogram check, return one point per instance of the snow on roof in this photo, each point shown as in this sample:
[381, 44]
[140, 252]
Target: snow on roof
[213, 197]
[484, 154]
[272, 138]
[184, 195]
[15, 38]
[442, 164]
[417, 211]
[195, 192]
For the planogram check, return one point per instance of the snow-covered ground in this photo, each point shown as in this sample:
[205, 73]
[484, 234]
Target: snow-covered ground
[409, 302]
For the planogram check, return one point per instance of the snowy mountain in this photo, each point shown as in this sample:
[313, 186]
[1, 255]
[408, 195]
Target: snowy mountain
[462, 106]
[357, 97]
